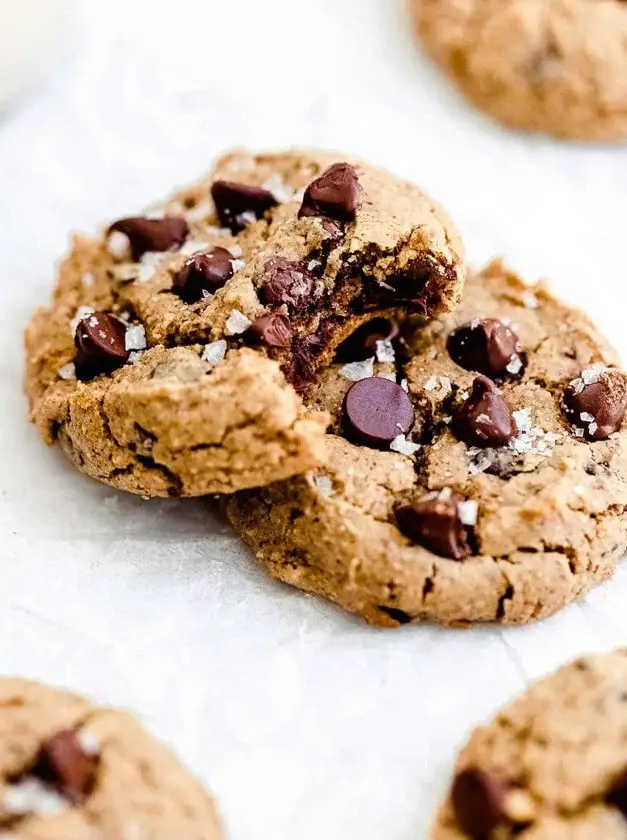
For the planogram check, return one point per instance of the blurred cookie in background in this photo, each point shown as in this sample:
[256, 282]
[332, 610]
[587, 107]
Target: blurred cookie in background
[553, 66]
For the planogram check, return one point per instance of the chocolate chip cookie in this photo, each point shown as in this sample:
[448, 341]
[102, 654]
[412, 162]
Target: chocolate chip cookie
[476, 471]
[554, 66]
[551, 766]
[72, 770]
[172, 356]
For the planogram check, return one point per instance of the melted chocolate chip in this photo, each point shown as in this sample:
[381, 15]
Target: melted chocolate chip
[485, 418]
[272, 330]
[289, 283]
[362, 344]
[335, 194]
[376, 411]
[599, 407]
[100, 342]
[167, 234]
[239, 204]
[436, 524]
[64, 765]
[487, 346]
[478, 802]
[206, 272]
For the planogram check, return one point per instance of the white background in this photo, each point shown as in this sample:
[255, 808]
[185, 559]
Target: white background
[304, 722]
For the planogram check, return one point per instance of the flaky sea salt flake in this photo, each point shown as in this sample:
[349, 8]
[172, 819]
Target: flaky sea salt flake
[67, 371]
[514, 366]
[358, 370]
[468, 512]
[119, 245]
[404, 446]
[238, 265]
[236, 323]
[324, 484]
[385, 351]
[81, 313]
[214, 352]
[236, 251]
[530, 301]
[431, 384]
[135, 338]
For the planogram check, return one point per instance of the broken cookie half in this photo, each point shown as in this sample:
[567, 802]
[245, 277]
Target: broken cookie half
[179, 344]
[476, 469]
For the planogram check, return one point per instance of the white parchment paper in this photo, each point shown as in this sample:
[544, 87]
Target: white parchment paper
[304, 722]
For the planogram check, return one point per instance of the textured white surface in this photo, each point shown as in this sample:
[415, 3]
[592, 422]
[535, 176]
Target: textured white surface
[305, 723]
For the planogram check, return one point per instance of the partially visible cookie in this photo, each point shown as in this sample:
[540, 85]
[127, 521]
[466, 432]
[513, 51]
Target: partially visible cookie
[70, 770]
[172, 355]
[554, 66]
[476, 473]
[551, 766]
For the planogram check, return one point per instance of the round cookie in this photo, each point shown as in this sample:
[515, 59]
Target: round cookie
[72, 770]
[503, 501]
[550, 766]
[554, 66]
[171, 358]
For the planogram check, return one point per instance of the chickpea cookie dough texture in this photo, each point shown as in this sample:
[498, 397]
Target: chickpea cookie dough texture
[551, 766]
[554, 66]
[173, 355]
[70, 770]
[476, 472]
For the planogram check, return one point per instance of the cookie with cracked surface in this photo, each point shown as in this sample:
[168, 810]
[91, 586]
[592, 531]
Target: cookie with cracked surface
[486, 480]
[74, 770]
[553, 66]
[173, 355]
[551, 766]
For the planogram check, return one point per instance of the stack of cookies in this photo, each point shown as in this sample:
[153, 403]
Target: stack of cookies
[297, 333]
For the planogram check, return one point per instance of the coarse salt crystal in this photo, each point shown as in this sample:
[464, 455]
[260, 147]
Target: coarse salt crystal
[591, 375]
[236, 251]
[578, 433]
[431, 384]
[522, 418]
[404, 385]
[445, 384]
[530, 301]
[88, 279]
[135, 356]
[119, 245]
[468, 512]
[246, 218]
[81, 313]
[214, 352]
[146, 273]
[586, 417]
[312, 264]
[135, 338]
[67, 371]
[385, 351]
[358, 370]
[404, 446]
[89, 741]
[194, 246]
[592, 428]
[236, 323]
[279, 189]
[514, 366]
[31, 796]
[324, 484]
[445, 494]
[238, 264]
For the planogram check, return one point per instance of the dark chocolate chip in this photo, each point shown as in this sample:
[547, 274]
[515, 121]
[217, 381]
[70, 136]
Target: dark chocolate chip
[272, 330]
[436, 524]
[362, 344]
[289, 283]
[239, 204]
[167, 234]
[478, 802]
[64, 765]
[617, 795]
[598, 407]
[399, 616]
[205, 272]
[487, 346]
[376, 411]
[100, 342]
[335, 194]
[484, 419]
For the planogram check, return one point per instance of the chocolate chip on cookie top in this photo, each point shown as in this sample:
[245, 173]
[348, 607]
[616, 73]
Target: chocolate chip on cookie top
[65, 765]
[484, 419]
[238, 205]
[335, 194]
[487, 346]
[144, 234]
[439, 522]
[100, 341]
[478, 800]
[596, 402]
[376, 411]
[290, 284]
[203, 274]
